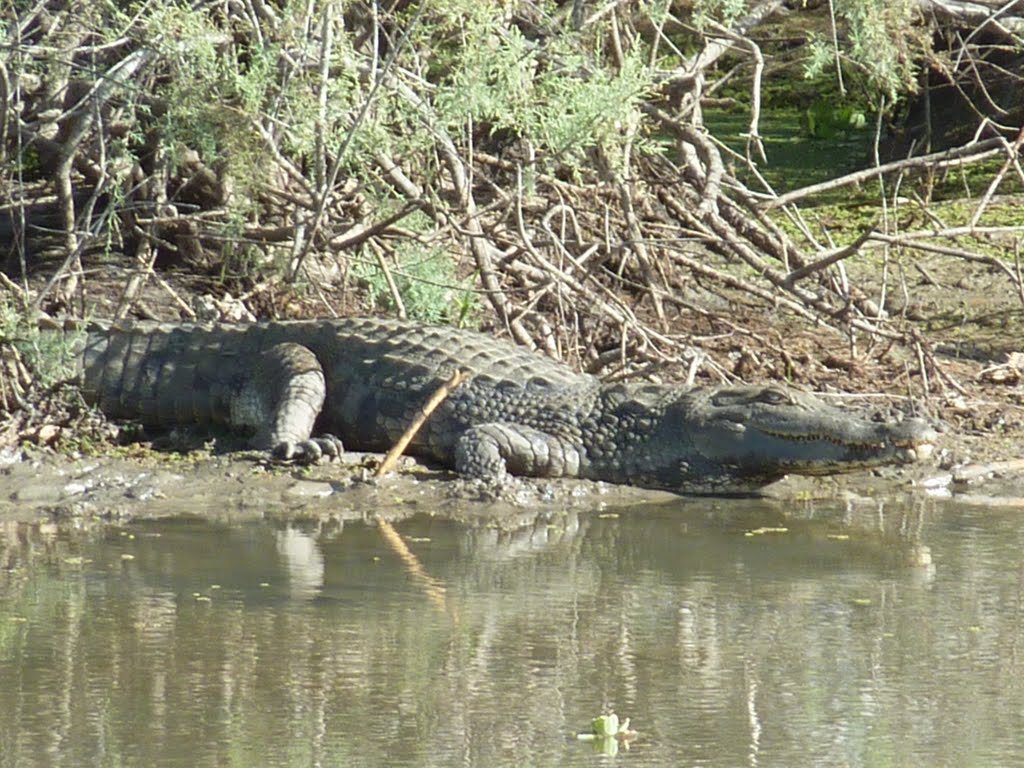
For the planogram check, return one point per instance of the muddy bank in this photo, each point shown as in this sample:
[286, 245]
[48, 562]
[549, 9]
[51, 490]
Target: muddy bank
[117, 485]
[242, 486]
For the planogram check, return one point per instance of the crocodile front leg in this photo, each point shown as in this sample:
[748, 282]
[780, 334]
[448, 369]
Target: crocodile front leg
[282, 400]
[493, 451]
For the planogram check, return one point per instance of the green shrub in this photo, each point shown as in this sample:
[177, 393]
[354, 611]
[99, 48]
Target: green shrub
[426, 282]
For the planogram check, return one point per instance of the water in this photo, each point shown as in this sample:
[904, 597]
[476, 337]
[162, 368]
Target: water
[728, 641]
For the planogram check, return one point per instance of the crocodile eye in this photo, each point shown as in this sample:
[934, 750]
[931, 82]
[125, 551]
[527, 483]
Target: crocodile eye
[774, 397]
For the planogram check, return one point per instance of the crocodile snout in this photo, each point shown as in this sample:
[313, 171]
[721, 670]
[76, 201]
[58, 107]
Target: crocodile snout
[915, 440]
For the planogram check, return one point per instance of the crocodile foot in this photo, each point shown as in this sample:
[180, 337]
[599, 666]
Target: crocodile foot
[309, 451]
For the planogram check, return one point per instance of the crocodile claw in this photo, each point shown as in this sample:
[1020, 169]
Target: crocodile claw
[309, 451]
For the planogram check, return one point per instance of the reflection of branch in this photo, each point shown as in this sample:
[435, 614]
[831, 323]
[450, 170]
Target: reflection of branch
[434, 588]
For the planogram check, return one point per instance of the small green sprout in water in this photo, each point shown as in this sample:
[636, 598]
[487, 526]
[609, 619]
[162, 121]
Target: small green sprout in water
[607, 733]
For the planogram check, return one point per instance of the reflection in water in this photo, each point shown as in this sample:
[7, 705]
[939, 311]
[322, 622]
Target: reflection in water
[301, 554]
[731, 632]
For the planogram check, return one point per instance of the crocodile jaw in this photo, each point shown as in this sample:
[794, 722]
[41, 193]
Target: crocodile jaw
[819, 454]
[740, 439]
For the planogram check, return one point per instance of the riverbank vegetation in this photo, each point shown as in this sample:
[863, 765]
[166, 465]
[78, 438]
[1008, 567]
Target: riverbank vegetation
[821, 192]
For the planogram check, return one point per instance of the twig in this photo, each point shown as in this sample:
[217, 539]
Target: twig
[1011, 157]
[326, 50]
[17, 292]
[601, 12]
[923, 351]
[382, 265]
[753, 134]
[638, 247]
[325, 192]
[830, 258]
[968, 153]
[6, 100]
[435, 400]
[700, 268]
[79, 120]
[922, 366]
[1017, 271]
[483, 250]
[358, 233]
[835, 48]
[983, 17]
[393, 171]
[910, 241]
[717, 48]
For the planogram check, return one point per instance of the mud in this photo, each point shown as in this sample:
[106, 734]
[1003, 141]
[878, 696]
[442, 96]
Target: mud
[244, 486]
[39, 483]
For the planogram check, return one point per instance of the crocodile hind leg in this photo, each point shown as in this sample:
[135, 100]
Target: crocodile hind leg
[492, 451]
[282, 400]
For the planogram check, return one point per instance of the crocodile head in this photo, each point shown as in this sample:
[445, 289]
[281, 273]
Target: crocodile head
[738, 439]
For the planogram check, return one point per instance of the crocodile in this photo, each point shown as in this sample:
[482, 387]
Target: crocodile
[299, 386]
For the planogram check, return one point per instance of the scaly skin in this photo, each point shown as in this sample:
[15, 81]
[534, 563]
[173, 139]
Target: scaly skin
[520, 413]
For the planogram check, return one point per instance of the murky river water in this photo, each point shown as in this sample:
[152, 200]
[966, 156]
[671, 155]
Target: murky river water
[726, 639]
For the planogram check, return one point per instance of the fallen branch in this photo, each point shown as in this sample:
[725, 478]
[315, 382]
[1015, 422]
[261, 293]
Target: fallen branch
[990, 17]
[830, 258]
[435, 400]
[909, 241]
[968, 153]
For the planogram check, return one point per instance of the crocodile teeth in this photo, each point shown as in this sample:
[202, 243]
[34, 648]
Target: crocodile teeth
[923, 451]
